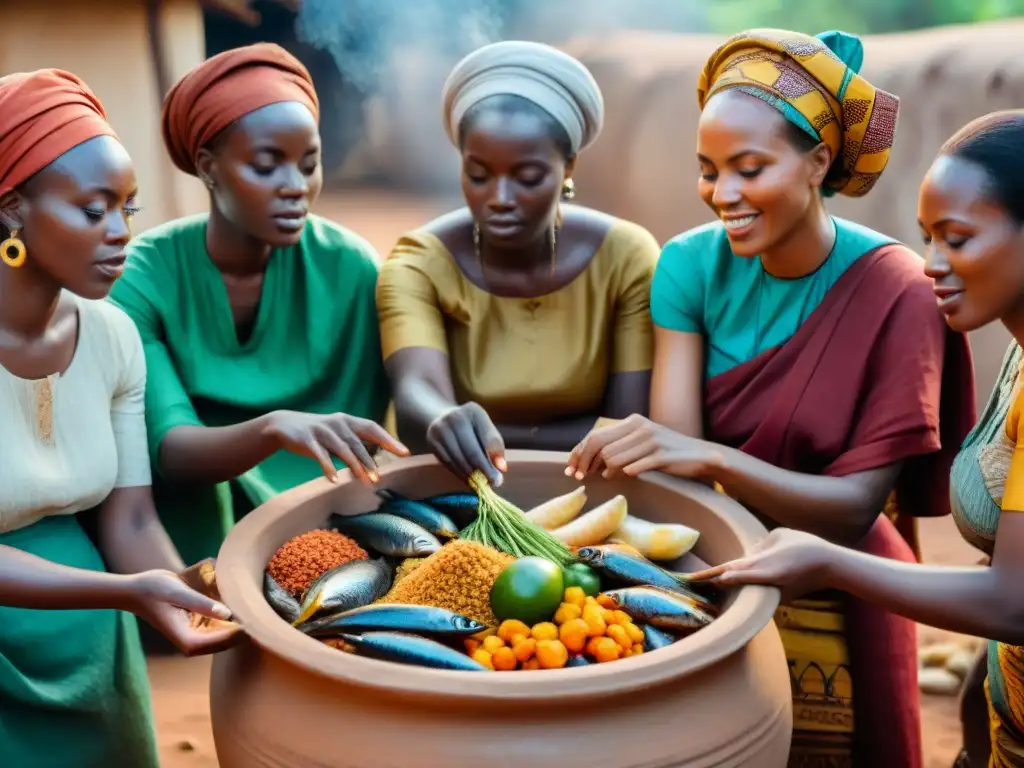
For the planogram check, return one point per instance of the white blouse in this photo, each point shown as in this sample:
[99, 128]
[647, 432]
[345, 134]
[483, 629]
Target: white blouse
[98, 434]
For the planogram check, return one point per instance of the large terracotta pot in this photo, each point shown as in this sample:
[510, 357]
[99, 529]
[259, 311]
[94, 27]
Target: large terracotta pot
[720, 697]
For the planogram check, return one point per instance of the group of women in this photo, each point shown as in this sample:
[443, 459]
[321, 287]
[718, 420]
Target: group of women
[157, 388]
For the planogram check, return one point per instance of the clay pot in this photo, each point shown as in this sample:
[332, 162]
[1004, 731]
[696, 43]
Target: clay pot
[720, 697]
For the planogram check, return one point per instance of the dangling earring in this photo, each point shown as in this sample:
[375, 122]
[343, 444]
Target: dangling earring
[568, 189]
[477, 251]
[554, 251]
[12, 250]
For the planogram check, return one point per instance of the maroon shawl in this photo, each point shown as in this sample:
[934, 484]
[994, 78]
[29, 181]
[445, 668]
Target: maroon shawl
[874, 376]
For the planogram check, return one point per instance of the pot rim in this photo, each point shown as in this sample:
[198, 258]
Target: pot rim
[752, 609]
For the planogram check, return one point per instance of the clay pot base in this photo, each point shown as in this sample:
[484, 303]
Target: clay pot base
[719, 697]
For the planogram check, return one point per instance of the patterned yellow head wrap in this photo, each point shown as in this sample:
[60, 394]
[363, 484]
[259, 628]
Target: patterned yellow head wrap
[813, 81]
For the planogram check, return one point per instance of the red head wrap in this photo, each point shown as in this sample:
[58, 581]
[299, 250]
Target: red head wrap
[226, 87]
[43, 114]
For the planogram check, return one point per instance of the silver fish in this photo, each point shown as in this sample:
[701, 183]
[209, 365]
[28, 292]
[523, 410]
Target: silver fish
[351, 585]
[634, 568]
[661, 608]
[655, 638]
[387, 534]
[461, 506]
[424, 515]
[280, 599]
[410, 649]
[417, 619]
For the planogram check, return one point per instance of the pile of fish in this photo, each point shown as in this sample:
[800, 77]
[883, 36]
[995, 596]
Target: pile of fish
[339, 604]
[658, 600]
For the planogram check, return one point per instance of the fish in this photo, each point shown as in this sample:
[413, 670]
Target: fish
[424, 515]
[280, 599]
[660, 607]
[350, 585]
[387, 534]
[577, 660]
[417, 619]
[636, 569]
[655, 638]
[410, 649]
[461, 506]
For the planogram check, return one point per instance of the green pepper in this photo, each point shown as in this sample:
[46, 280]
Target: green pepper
[583, 576]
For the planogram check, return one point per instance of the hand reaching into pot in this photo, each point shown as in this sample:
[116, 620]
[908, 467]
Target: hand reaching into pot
[185, 608]
[464, 438]
[320, 436]
[635, 445]
[794, 561]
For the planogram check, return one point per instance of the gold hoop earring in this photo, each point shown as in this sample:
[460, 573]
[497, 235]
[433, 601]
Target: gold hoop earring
[568, 189]
[12, 250]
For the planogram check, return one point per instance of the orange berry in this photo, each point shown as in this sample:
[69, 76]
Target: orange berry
[567, 612]
[493, 643]
[575, 596]
[635, 633]
[618, 634]
[592, 615]
[552, 654]
[483, 657]
[607, 650]
[573, 635]
[544, 631]
[504, 660]
[525, 649]
[511, 627]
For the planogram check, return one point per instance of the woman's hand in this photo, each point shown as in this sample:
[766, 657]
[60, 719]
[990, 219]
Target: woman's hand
[464, 438]
[320, 436]
[636, 444]
[794, 561]
[175, 604]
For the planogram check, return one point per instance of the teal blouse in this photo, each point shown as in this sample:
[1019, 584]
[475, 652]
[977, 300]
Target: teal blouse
[315, 347]
[701, 286]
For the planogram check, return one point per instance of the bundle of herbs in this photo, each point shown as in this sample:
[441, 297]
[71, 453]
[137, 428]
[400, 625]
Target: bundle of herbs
[500, 524]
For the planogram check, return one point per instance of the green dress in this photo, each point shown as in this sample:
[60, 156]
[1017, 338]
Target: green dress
[315, 347]
[73, 684]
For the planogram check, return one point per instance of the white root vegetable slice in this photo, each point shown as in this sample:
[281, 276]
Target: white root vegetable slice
[560, 510]
[657, 541]
[594, 526]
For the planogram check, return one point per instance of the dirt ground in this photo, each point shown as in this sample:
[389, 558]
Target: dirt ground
[180, 685]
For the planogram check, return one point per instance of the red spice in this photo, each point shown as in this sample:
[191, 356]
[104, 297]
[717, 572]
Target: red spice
[302, 560]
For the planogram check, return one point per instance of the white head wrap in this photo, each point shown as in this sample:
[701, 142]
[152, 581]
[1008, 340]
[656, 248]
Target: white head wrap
[551, 79]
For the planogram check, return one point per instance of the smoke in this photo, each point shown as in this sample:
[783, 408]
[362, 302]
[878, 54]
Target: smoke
[363, 35]
[396, 54]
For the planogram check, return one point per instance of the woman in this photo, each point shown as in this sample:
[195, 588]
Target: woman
[258, 319]
[971, 211]
[72, 675]
[516, 321]
[978, 472]
[784, 370]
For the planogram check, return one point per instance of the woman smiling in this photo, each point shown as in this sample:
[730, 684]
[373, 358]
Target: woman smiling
[801, 364]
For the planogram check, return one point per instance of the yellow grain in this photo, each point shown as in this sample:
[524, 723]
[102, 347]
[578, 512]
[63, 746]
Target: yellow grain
[458, 577]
